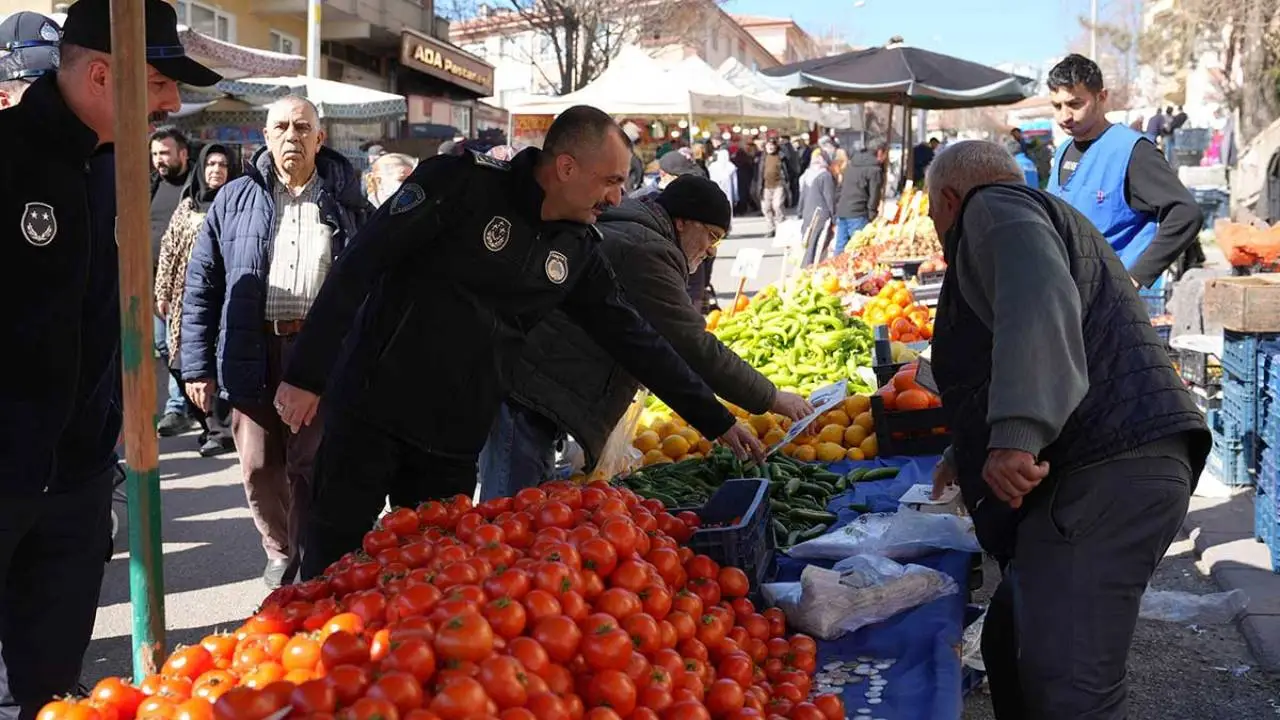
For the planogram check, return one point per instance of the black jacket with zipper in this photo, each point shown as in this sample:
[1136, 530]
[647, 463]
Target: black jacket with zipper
[60, 392]
[860, 187]
[453, 273]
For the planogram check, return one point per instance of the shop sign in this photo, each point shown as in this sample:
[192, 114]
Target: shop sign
[533, 124]
[432, 57]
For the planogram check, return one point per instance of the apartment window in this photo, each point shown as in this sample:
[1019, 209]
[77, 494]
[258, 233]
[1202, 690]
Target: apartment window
[742, 48]
[715, 40]
[207, 20]
[285, 43]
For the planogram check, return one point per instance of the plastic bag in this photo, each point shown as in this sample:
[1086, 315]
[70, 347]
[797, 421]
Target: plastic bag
[971, 651]
[1184, 607]
[619, 455]
[904, 534]
[866, 589]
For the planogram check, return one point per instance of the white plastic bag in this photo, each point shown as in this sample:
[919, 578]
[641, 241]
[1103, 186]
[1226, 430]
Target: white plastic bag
[904, 534]
[619, 455]
[864, 590]
[1184, 607]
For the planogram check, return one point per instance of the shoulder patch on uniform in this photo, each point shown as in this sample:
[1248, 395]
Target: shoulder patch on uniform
[408, 197]
[596, 233]
[489, 161]
[557, 267]
[497, 233]
[39, 226]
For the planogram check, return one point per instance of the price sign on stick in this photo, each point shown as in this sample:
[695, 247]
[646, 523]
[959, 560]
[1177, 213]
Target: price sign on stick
[747, 263]
[822, 399]
[788, 234]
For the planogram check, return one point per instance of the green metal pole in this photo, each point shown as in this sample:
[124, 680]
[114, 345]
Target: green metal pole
[133, 237]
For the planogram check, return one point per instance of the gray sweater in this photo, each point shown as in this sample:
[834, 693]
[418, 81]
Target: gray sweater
[1013, 270]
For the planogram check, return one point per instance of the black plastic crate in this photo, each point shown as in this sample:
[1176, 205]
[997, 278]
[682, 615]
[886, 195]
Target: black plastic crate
[746, 544]
[1164, 332]
[884, 373]
[1199, 369]
[1240, 353]
[915, 430]
[931, 278]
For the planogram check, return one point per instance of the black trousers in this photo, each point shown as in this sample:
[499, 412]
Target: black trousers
[1056, 637]
[53, 549]
[357, 467]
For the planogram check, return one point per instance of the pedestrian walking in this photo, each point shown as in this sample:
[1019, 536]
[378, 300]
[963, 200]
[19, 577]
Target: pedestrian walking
[266, 247]
[817, 205]
[859, 200]
[170, 180]
[1075, 443]
[773, 185]
[433, 303]
[60, 405]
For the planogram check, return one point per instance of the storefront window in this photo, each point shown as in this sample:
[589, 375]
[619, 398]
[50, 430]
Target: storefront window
[207, 20]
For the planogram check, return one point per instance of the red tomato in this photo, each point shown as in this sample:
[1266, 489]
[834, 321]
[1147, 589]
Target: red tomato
[612, 688]
[466, 636]
[559, 635]
[504, 680]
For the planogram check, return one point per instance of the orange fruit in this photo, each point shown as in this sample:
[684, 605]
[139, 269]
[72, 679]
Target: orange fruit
[902, 326]
[905, 380]
[913, 399]
[888, 396]
[902, 298]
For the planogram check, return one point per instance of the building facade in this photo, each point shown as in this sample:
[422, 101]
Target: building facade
[782, 37]
[525, 61]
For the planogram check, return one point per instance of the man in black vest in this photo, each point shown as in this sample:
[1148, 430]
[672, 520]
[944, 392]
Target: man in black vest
[1075, 444]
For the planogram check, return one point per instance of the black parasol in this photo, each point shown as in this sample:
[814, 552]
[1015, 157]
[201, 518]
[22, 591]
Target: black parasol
[902, 75]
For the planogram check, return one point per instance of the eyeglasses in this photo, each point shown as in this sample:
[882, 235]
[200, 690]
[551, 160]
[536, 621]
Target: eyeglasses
[716, 237]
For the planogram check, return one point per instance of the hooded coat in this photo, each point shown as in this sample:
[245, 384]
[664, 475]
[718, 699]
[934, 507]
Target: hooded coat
[180, 238]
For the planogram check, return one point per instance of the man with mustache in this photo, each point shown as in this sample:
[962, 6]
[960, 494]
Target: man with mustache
[60, 394]
[171, 172]
[1117, 177]
[417, 331]
[267, 244]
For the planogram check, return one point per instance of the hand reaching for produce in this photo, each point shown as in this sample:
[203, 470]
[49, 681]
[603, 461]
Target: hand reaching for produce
[792, 405]
[944, 476]
[743, 442]
[297, 407]
[1011, 474]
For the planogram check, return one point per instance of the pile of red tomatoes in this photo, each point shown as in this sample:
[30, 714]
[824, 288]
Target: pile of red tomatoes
[561, 603]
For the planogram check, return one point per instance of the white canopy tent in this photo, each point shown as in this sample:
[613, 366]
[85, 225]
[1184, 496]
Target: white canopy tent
[636, 84]
[767, 90]
[338, 101]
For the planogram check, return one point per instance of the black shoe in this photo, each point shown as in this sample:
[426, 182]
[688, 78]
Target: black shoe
[214, 445]
[771, 233]
[273, 576]
[173, 424]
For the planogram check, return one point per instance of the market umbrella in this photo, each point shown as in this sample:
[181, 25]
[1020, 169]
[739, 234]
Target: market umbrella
[902, 75]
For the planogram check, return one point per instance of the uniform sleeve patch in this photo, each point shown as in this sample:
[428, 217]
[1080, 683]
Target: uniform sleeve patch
[489, 161]
[407, 198]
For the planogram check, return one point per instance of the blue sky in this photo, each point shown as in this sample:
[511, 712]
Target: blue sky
[985, 31]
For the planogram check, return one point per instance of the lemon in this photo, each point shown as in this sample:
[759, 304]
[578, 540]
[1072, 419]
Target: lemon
[646, 441]
[870, 447]
[655, 456]
[805, 453]
[856, 404]
[773, 436]
[838, 417]
[674, 446]
[865, 421]
[854, 454]
[830, 452]
[854, 435]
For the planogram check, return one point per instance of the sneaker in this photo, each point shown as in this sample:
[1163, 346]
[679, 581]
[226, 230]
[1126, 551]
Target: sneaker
[273, 575]
[173, 424]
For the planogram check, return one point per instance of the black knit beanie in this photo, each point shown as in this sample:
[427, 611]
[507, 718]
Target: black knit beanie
[692, 197]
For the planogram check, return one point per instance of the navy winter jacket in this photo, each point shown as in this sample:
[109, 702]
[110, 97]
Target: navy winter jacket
[224, 308]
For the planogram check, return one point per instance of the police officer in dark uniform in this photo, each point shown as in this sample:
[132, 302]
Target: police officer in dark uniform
[60, 392]
[453, 272]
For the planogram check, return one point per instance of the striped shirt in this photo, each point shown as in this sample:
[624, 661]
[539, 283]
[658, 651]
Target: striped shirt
[300, 252]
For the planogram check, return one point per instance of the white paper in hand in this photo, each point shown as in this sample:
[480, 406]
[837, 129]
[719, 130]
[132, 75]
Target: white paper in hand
[822, 399]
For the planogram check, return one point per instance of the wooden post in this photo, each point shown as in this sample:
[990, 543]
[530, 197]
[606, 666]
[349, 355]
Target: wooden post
[742, 284]
[884, 169]
[908, 144]
[133, 237]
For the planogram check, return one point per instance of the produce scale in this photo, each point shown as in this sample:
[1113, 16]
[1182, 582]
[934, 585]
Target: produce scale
[656, 594]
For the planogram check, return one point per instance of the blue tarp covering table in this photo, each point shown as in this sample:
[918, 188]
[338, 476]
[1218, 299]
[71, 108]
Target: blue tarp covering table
[924, 681]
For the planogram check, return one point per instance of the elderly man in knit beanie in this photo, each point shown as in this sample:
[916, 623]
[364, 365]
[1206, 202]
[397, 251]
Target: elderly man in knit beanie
[566, 384]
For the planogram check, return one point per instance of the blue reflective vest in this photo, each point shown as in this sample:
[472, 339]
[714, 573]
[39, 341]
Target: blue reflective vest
[1029, 170]
[1096, 189]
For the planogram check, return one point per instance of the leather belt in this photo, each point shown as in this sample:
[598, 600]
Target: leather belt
[284, 328]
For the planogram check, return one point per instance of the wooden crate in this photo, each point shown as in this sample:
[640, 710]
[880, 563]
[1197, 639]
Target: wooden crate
[1244, 304]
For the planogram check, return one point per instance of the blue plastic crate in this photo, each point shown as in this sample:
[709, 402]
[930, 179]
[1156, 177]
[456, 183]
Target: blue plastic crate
[747, 543]
[1156, 297]
[1240, 403]
[1266, 411]
[1164, 332]
[1232, 460]
[1240, 353]
[1268, 471]
[1264, 518]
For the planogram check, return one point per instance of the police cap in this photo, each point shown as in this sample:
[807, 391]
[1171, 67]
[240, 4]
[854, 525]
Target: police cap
[89, 26]
[28, 46]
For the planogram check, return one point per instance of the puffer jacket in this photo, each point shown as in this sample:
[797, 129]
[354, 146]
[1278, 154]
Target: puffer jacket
[224, 306]
[860, 187]
[569, 379]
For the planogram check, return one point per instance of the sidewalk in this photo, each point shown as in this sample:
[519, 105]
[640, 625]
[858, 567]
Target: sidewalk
[1221, 529]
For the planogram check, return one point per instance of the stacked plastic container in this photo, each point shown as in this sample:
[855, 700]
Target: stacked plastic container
[1237, 437]
[1266, 504]
[1157, 298]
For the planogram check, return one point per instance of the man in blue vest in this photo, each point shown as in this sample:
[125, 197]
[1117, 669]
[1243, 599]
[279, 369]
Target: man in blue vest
[1117, 177]
[1029, 171]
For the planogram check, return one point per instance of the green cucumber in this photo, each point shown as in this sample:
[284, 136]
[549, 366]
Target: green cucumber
[883, 473]
[812, 516]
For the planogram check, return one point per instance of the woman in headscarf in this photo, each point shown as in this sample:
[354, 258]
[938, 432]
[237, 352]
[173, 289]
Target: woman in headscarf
[216, 166]
[817, 203]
